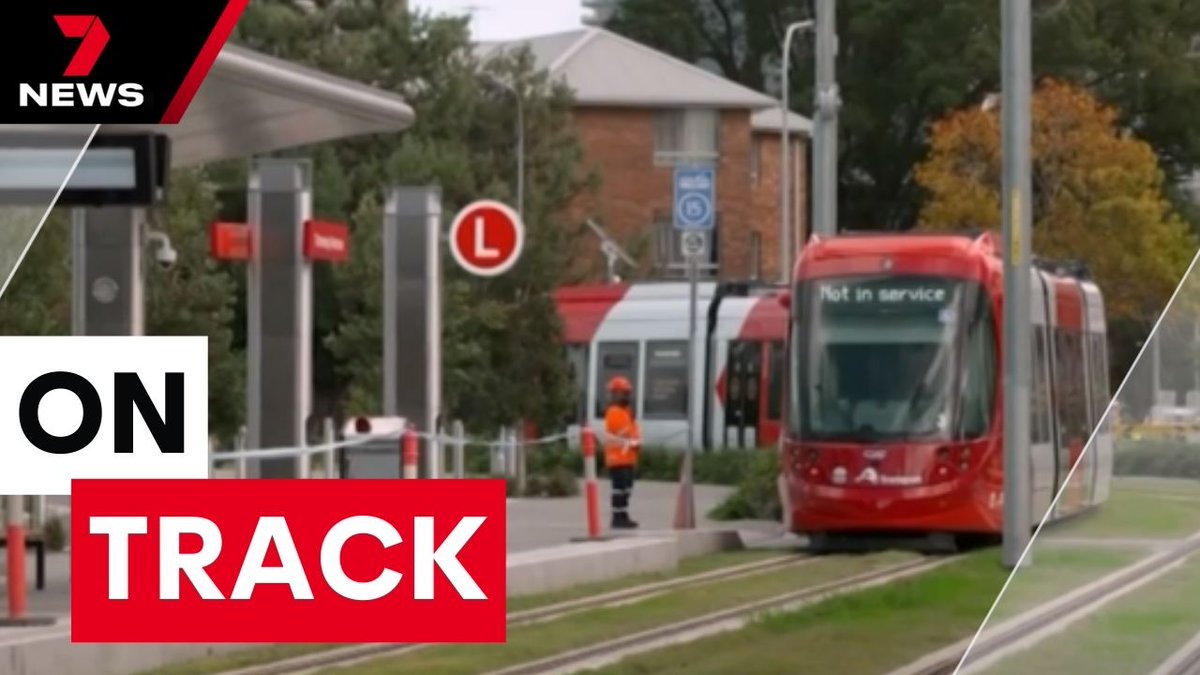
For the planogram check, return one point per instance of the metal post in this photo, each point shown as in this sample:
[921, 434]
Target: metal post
[412, 333]
[1155, 371]
[460, 443]
[107, 280]
[785, 164]
[518, 440]
[278, 311]
[1018, 94]
[685, 517]
[828, 100]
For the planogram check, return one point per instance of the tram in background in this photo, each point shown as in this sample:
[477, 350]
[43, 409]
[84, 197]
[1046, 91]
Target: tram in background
[640, 331]
[894, 423]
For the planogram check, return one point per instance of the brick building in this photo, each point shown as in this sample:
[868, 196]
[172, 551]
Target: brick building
[640, 112]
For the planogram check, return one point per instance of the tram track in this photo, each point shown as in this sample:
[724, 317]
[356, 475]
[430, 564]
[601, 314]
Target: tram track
[733, 618]
[1028, 628]
[1185, 661]
[356, 654]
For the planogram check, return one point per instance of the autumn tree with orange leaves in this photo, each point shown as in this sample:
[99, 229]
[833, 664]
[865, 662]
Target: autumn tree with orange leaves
[1097, 195]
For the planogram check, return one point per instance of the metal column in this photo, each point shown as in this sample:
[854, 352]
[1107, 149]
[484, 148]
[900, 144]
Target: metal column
[106, 277]
[1017, 196]
[412, 312]
[825, 126]
[279, 312]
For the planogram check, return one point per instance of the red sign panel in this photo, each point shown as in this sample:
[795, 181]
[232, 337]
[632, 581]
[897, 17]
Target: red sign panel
[486, 238]
[324, 240]
[361, 561]
[229, 241]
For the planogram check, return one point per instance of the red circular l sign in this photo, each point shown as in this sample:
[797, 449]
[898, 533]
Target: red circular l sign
[486, 238]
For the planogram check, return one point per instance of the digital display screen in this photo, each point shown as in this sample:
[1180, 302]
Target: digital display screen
[45, 168]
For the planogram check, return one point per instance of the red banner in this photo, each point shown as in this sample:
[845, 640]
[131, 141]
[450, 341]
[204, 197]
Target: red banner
[349, 561]
[324, 240]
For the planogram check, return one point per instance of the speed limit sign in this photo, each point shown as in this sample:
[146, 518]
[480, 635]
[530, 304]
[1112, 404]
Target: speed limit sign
[693, 243]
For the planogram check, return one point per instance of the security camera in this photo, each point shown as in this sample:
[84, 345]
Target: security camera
[164, 254]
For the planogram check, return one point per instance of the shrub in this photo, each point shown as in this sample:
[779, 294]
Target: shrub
[560, 482]
[55, 533]
[1157, 458]
[757, 493]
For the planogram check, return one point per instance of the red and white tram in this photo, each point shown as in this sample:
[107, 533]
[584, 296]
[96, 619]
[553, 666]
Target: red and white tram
[895, 406]
[640, 331]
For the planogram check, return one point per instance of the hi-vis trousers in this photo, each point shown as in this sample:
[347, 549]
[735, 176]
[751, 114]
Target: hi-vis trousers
[622, 487]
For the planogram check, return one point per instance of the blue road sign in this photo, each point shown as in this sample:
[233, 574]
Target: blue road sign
[695, 198]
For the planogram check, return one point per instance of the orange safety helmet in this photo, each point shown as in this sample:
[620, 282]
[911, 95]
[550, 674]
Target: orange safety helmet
[620, 384]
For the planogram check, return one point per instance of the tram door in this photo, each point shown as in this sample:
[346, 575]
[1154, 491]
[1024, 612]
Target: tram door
[743, 389]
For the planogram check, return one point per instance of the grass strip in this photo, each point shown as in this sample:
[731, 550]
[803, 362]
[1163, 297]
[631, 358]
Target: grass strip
[528, 643]
[1133, 634]
[254, 656]
[875, 630]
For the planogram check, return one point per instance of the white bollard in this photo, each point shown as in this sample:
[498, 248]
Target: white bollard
[331, 453]
[241, 445]
[460, 443]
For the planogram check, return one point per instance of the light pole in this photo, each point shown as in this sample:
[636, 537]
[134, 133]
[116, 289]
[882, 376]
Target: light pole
[827, 100]
[520, 139]
[1017, 78]
[785, 187]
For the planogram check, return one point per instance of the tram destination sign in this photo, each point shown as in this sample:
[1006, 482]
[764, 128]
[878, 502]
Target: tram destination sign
[929, 294]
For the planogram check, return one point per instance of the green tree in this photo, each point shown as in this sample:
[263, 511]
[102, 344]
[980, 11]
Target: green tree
[903, 65]
[497, 367]
[195, 297]
[1097, 197]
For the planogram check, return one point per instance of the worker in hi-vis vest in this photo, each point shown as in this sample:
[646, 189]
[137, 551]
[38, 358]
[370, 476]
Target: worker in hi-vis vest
[622, 443]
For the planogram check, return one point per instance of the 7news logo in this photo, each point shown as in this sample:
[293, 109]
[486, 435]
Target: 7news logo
[94, 37]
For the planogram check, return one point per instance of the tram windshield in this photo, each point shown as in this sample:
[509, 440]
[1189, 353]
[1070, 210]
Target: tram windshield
[892, 358]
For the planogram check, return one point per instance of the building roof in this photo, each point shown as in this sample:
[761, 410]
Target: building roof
[769, 120]
[604, 68]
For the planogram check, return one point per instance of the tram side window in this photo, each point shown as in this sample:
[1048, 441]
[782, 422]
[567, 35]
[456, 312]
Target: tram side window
[1098, 377]
[1072, 405]
[613, 359]
[980, 375]
[666, 380]
[777, 364]
[577, 362]
[1040, 400]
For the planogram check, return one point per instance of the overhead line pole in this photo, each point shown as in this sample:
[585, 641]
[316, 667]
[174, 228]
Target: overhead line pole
[1017, 81]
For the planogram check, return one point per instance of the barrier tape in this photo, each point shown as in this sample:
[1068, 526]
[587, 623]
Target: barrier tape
[299, 451]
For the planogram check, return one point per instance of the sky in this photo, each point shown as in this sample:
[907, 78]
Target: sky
[508, 19]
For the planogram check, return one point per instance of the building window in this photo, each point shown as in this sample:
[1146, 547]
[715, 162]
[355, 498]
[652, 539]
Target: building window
[755, 160]
[666, 393]
[689, 135]
[613, 359]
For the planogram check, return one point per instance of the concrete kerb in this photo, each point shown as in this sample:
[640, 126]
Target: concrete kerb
[559, 567]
